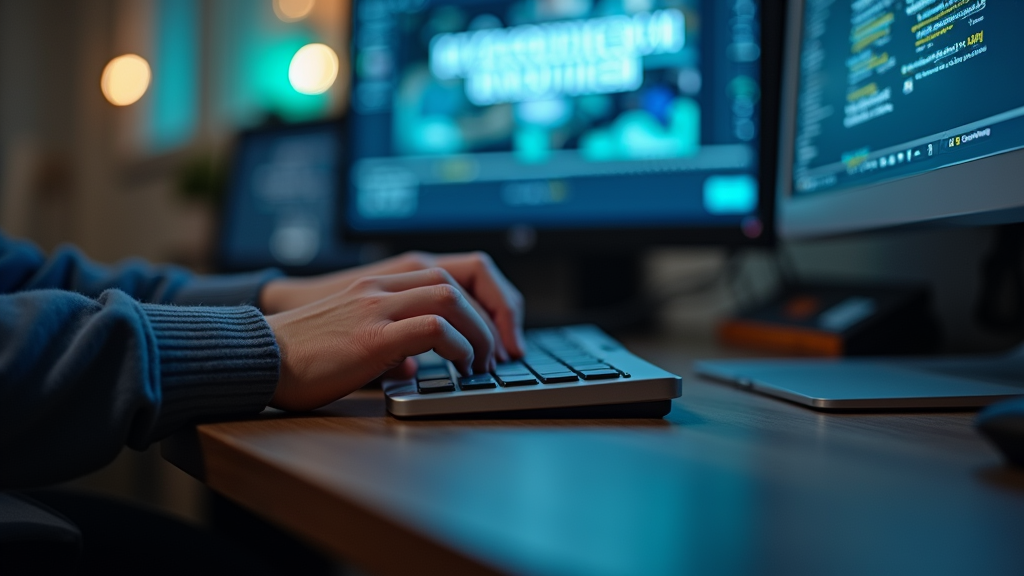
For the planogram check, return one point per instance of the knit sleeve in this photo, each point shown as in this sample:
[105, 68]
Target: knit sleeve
[81, 378]
[214, 361]
[25, 267]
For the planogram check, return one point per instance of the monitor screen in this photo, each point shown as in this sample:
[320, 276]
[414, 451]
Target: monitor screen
[891, 107]
[280, 205]
[484, 115]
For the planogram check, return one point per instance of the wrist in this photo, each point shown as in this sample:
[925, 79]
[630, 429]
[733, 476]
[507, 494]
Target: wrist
[291, 340]
[274, 296]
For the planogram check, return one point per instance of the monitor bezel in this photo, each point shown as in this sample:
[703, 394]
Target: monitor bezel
[604, 239]
[855, 209]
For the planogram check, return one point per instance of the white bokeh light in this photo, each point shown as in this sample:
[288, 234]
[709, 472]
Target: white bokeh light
[313, 69]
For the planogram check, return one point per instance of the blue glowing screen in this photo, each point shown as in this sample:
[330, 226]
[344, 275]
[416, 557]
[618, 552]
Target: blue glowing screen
[484, 114]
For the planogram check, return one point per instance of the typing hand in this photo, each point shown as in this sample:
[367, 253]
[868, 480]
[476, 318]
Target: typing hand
[373, 326]
[484, 286]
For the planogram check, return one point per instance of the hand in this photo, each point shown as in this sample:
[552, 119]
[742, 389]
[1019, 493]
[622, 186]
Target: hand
[337, 344]
[483, 285]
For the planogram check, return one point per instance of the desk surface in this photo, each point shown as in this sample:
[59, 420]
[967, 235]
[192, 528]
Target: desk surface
[728, 483]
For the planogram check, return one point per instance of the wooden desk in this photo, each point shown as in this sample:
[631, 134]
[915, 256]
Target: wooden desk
[728, 483]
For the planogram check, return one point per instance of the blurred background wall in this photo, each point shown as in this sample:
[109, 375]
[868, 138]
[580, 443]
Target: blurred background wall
[75, 168]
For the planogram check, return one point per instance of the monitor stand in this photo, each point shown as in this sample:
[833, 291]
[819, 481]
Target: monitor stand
[878, 383]
[602, 289]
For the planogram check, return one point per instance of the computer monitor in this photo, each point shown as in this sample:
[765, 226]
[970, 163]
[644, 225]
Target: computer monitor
[280, 204]
[561, 123]
[899, 114]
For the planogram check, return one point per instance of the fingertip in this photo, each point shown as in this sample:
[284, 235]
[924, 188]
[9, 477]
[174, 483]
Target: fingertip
[484, 366]
[509, 343]
[500, 351]
[520, 341]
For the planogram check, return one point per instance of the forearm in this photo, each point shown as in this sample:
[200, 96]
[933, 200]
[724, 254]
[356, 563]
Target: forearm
[23, 266]
[80, 378]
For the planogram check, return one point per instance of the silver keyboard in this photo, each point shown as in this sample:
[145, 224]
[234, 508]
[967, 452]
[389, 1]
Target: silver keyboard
[566, 368]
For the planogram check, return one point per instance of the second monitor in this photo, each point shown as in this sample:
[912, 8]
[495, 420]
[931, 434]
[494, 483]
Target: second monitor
[568, 123]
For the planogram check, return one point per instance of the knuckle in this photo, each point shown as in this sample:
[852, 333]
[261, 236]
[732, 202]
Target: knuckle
[447, 295]
[366, 282]
[440, 275]
[482, 257]
[434, 326]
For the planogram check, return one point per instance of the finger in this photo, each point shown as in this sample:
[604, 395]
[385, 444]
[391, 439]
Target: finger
[416, 279]
[499, 346]
[437, 276]
[420, 334]
[503, 303]
[501, 299]
[448, 302]
[406, 262]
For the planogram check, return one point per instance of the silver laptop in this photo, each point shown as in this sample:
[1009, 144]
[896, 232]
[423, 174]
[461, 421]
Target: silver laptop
[878, 383]
[569, 371]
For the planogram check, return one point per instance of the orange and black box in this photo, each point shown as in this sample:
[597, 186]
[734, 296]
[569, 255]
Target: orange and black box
[837, 320]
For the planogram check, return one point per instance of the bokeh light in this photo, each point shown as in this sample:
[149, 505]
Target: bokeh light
[293, 10]
[125, 79]
[313, 69]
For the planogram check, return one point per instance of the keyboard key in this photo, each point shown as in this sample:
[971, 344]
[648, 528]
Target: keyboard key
[552, 367]
[578, 359]
[592, 366]
[561, 345]
[477, 382]
[517, 380]
[556, 377]
[434, 386]
[599, 374]
[433, 373]
[511, 368]
[553, 345]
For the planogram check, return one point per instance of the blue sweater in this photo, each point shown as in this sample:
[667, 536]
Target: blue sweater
[94, 357]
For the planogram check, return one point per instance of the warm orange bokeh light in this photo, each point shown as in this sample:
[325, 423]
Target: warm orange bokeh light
[293, 10]
[125, 79]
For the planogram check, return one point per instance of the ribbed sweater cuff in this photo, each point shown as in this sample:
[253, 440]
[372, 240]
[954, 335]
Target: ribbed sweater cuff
[228, 290]
[214, 362]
